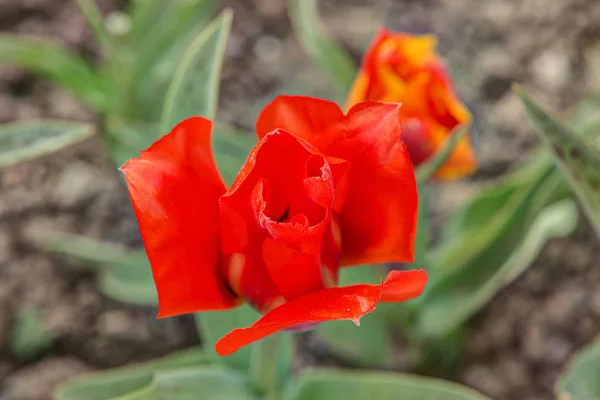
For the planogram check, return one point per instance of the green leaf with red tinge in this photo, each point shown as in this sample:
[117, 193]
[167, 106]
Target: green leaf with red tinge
[577, 157]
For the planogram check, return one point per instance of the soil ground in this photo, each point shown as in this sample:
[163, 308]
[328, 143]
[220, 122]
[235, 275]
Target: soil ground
[516, 345]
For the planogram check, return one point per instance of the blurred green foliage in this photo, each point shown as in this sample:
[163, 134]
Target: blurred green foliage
[29, 338]
[29, 140]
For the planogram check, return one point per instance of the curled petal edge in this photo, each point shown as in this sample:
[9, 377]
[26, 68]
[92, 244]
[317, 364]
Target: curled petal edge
[340, 303]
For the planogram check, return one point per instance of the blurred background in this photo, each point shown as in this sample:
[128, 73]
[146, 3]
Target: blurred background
[515, 346]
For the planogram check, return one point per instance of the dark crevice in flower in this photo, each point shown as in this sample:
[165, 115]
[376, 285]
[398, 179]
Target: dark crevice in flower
[284, 217]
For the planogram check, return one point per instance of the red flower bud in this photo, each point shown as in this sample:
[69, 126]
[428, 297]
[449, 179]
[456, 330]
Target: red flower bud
[404, 68]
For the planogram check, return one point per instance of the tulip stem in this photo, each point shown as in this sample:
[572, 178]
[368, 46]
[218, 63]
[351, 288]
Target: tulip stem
[264, 366]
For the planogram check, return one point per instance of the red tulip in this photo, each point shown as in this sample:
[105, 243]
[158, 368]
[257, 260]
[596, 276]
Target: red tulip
[404, 68]
[320, 190]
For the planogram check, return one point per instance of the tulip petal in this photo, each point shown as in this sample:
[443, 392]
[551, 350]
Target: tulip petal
[175, 187]
[340, 303]
[298, 115]
[405, 68]
[403, 285]
[276, 218]
[379, 216]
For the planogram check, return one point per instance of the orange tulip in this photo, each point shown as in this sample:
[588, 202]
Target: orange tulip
[404, 68]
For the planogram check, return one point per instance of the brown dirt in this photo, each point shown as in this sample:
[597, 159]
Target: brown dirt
[515, 346]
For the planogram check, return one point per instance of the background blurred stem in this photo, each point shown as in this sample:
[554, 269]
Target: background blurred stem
[264, 365]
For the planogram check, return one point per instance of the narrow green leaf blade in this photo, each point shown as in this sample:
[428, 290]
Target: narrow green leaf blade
[96, 21]
[161, 33]
[122, 381]
[578, 158]
[166, 23]
[426, 171]
[330, 56]
[579, 380]
[323, 384]
[469, 270]
[476, 213]
[124, 275]
[453, 299]
[26, 141]
[52, 60]
[231, 148]
[195, 86]
[210, 383]
[423, 229]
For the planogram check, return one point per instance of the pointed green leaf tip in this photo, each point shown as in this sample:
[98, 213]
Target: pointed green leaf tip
[577, 158]
[194, 89]
[25, 141]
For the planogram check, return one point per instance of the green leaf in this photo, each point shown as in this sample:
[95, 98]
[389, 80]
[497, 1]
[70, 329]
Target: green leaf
[166, 23]
[579, 380]
[474, 215]
[29, 337]
[367, 345]
[423, 228]
[195, 86]
[117, 382]
[231, 148]
[320, 47]
[96, 21]
[271, 363]
[584, 118]
[426, 170]
[123, 274]
[450, 303]
[24, 141]
[214, 325]
[206, 383]
[52, 60]
[323, 384]
[125, 140]
[578, 158]
[161, 32]
[469, 275]
[148, 392]
[497, 215]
